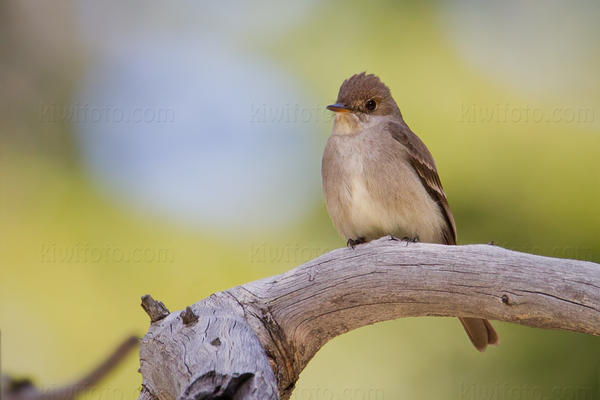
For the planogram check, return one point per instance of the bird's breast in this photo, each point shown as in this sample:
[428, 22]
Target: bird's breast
[368, 215]
[371, 191]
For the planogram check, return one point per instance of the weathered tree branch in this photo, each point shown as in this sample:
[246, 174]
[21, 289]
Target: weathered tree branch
[252, 341]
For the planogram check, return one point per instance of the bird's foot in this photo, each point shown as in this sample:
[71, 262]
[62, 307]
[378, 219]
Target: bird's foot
[409, 239]
[354, 242]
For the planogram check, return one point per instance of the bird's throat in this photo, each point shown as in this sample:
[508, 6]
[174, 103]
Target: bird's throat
[346, 124]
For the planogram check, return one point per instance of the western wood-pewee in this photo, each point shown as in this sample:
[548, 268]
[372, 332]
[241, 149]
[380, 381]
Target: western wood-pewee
[380, 179]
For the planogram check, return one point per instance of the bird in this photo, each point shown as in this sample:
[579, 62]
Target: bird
[380, 179]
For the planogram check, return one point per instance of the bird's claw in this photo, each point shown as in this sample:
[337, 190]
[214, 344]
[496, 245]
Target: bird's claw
[409, 239]
[353, 242]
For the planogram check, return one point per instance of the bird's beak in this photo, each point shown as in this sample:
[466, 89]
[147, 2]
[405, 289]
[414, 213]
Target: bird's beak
[338, 107]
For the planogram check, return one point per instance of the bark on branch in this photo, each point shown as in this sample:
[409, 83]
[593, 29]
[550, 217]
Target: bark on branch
[252, 341]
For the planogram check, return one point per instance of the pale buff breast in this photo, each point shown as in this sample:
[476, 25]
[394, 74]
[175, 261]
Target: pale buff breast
[371, 191]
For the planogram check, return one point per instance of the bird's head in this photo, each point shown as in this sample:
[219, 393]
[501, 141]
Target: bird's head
[362, 101]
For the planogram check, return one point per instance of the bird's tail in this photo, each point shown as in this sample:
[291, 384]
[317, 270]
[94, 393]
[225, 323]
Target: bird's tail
[480, 331]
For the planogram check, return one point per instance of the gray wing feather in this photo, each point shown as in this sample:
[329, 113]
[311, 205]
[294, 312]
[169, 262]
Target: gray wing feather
[422, 161]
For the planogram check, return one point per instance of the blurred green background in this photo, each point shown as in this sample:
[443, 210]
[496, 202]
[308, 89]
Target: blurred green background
[174, 149]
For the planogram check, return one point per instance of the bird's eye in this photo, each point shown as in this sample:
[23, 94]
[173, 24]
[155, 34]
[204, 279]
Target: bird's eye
[371, 105]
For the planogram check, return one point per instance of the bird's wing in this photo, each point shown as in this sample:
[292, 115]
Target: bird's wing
[421, 160]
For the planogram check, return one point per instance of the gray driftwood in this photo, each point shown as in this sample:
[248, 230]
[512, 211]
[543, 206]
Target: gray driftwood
[252, 341]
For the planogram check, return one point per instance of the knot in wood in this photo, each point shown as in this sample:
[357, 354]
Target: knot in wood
[188, 316]
[155, 309]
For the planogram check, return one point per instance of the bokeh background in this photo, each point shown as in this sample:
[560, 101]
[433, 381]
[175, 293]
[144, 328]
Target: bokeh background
[174, 149]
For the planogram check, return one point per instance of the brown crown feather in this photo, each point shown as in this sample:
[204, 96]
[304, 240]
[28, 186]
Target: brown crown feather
[361, 87]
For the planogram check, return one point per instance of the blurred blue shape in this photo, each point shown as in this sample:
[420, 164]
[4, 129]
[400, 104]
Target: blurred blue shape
[201, 133]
